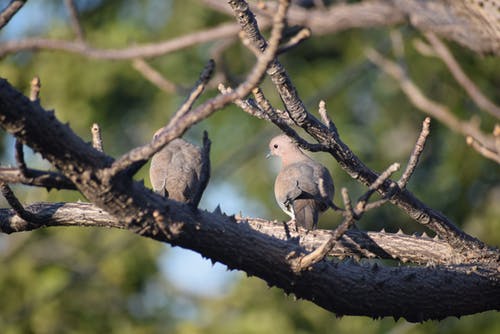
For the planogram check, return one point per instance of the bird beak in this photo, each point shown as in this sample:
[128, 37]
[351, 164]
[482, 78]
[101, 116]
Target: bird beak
[268, 155]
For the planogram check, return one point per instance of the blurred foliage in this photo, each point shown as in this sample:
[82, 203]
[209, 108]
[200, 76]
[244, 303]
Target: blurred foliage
[93, 280]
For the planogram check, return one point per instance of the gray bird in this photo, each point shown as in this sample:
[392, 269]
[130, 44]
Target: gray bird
[181, 170]
[303, 187]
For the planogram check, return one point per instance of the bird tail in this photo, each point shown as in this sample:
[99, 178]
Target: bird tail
[306, 213]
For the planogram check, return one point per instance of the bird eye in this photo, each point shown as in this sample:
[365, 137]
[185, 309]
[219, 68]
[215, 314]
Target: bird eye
[275, 145]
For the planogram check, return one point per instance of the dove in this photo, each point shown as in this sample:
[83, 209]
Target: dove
[180, 171]
[303, 187]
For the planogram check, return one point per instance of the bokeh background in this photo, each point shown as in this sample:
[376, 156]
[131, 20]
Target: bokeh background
[85, 280]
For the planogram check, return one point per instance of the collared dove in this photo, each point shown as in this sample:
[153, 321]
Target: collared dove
[303, 187]
[181, 170]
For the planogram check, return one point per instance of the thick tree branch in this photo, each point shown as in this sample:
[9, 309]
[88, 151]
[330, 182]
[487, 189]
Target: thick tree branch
[261, 248]
[473, 24]
[467, 276]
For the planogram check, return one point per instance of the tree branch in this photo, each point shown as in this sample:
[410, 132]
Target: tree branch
[468, 85]
[419, 100]
[330, 141]
[466, 277]
[141, 66]
[384, 290]
[75, 21]
[8, 13]
[37, 178]
[188, 119]
[471, 24]
[143, 51]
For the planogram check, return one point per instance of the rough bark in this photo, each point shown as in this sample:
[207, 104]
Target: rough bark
[452, 275]
[260, 248]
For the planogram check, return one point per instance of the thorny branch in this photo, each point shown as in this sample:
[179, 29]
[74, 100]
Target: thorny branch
[460, 255]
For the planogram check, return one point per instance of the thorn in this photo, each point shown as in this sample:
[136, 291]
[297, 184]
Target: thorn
[218, 210]
[436, 238]
[400, 231]
[382, 230]
[424, 235]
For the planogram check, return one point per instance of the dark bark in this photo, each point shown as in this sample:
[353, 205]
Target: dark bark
[263, 249]
[453, 275]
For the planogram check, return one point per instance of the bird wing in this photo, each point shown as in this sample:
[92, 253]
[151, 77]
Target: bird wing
[183, 173]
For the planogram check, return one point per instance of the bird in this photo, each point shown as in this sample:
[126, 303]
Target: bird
[180, 170]
[303, 187]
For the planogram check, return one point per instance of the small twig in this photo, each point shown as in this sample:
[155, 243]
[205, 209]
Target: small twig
[362, 206]
[155, 77]
[19, 156]
[149, 50]
[277, 116]
[467, 84]
[96, 137]
[35, 85]
[298, 38]
[496, 135]
[424, 48]
[415, 156]
[37, 178]
[419, 100]
[487, 153]
[75, 20]
[195, 93]
[247, 105]
[18, 146]
[10, 11]
[16, 205]
[301, 263]
[324, 117]
[283, 121]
